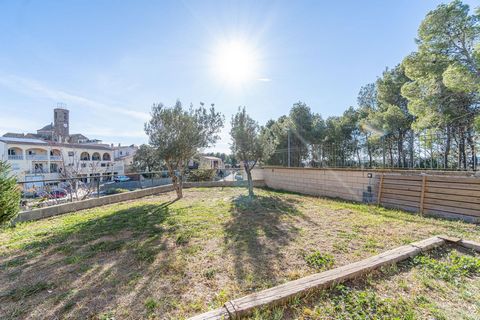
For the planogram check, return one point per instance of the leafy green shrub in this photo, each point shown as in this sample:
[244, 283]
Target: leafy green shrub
[115, 191]
[201, 175]
[319, 261]
[455, 266]
[9, 195]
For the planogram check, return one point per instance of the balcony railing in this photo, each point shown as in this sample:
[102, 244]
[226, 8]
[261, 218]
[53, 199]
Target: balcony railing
[56, 158]
[15, 157]
[37, 171]
[37, 157]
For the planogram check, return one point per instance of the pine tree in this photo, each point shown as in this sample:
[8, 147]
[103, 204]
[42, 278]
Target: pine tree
[9, 195]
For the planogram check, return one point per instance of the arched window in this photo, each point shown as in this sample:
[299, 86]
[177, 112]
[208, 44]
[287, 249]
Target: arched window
[96, 156]
[106, 157]
[55, 152]
[85, 156]
[15, 154]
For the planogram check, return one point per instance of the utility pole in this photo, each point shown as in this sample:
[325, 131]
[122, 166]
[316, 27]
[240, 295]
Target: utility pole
[288, 147]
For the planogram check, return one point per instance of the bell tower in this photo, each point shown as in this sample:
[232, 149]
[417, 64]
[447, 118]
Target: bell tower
[61, 125]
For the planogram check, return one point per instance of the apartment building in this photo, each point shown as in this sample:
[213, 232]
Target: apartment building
[35, 159]
[52, 153]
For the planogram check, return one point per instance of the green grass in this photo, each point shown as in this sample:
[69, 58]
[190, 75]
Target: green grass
[438, 285]
[319, 261]
[156, 257]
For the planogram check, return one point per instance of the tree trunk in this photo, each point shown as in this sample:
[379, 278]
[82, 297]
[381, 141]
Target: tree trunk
[462, 151]
[448, 143]
[357, 151]
[176, 181]
[411, 148]
[471, 144]
[400, 149]
[369, 150]
[250, 183]
[390, 151]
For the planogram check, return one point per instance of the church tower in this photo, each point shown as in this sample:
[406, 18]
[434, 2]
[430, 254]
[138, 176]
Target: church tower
[61, 126]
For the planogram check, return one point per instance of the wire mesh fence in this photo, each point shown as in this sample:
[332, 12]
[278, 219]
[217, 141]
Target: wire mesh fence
[414, 151]
[42, 193]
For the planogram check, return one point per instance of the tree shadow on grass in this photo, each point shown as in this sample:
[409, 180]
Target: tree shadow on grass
[81, 269]
[259, 229]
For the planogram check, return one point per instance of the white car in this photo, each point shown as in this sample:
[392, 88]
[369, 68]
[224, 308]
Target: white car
[121, 179]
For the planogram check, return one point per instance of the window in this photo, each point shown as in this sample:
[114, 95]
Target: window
[70, 153]
[53, 167]
[96, 156]
[38, 168]
[85, 156]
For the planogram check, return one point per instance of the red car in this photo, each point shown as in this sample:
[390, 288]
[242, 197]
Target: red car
[56, 194]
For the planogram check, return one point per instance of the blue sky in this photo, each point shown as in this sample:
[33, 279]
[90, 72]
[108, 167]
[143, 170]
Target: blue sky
[109, 61]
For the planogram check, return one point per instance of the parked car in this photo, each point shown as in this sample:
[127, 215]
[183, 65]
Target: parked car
[41, 194]
[121, 179]
[58, 193]
[54, 194]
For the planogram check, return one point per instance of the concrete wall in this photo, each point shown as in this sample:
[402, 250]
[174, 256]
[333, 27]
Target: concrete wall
[356, 185]
[46, 212]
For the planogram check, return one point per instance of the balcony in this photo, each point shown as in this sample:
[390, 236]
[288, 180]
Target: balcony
[37, 171]
[37, 157]
[55, 158]
[15, 157]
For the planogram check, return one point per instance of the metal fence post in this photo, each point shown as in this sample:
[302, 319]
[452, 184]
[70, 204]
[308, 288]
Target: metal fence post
[98, 187]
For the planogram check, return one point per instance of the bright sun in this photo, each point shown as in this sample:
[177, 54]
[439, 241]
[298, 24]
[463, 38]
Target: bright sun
[235, 62]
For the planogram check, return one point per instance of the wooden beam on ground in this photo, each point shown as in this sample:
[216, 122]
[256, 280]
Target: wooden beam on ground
[470, 245]
[217, 314]
[454, 240]
[246, 305]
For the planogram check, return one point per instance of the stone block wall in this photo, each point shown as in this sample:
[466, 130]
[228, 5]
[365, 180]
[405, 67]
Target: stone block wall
[355, 185]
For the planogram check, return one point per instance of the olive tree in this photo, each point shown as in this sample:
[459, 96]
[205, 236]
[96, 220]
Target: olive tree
[9, 195]
[179, 133]
[250, 143]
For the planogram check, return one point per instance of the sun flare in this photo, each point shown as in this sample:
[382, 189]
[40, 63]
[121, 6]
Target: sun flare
[235, 62]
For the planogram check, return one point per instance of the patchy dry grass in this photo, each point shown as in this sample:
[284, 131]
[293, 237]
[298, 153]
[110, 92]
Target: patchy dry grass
[442, 284]
[164, 259]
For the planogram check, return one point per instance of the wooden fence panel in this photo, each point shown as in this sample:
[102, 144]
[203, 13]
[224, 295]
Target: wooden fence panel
[450, 195]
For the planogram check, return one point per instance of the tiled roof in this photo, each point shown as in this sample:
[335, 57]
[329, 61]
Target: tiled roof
[48, 127]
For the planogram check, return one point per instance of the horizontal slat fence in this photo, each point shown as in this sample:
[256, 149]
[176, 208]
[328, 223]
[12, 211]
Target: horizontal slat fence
[445, 195]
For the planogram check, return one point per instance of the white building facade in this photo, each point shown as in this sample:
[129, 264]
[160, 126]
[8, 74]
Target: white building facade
[125, 154]
[36, 159]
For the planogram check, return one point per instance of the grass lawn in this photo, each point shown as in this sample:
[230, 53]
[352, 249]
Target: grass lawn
[163, 259]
